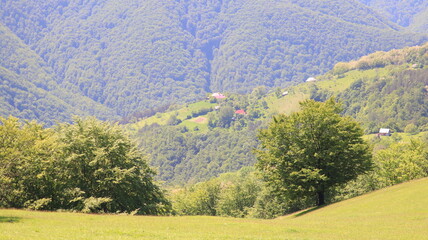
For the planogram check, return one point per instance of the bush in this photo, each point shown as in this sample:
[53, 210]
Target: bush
[411, 128]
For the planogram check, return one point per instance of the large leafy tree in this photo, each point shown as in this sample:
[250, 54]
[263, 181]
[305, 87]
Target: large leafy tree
[89, 166]
[305, 154]
[107, 170]
[27, 151]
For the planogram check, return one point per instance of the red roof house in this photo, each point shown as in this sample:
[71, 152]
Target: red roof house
[218, 95]
[240, 111]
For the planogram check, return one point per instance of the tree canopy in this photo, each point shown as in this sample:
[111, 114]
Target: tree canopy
[309, 152]
[108, 59]
[88, 166]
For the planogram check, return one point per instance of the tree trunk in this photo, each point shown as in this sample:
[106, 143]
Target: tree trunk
[320, 198]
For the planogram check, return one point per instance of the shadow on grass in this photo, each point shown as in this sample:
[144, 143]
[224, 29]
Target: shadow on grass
[304, 212]
[9, 219]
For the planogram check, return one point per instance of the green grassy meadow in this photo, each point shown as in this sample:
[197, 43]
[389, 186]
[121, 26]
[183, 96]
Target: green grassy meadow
[398, 212]
[182, 113]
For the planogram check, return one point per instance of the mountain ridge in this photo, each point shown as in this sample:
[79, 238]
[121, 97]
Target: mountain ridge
[140, 55]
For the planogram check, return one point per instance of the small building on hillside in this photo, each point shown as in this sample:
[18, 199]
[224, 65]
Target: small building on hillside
[285, 93]
[417, 65]
[384, 132]
[311, 79]
[240, 111]
[218, 95]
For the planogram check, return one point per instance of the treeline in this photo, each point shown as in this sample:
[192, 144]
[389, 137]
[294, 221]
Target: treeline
[144, 114]
[397, 100]
[88, 166]
[415, 56]
[244, 194]
[91, 166]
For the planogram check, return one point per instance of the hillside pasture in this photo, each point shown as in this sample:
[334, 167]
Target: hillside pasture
[398, 212]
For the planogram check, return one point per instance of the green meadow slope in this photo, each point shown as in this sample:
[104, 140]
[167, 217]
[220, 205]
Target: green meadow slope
[398, 212]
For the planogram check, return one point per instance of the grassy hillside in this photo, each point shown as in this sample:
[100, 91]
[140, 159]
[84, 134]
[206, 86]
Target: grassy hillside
[140, 55]
[397, 212]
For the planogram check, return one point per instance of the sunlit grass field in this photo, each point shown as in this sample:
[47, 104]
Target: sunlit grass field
[399, 212]
[182, 113]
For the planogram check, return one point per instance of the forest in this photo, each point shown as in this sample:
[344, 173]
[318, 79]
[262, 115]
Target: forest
[114, 60]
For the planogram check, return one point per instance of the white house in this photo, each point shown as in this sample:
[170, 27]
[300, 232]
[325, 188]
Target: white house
[311, 79]
[384, 132]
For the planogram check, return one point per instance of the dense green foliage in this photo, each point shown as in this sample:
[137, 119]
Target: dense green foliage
[28, 88]
[236, 194]
[194, 156]
[87, 166]
[401, 162]
[395, 161]
[186, 151]
[244, 194]
[129, 57]
[26, 158]
[231, 194]
[307, 153]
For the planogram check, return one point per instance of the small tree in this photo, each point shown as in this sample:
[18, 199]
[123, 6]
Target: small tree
[278, 92]
[225, 116]
[308, 152]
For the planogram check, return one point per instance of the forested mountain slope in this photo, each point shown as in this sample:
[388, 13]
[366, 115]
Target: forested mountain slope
[138, 55]
[28, 88]
[410, 13]
[202, 140]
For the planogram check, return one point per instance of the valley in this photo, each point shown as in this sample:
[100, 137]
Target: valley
[220, 119]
